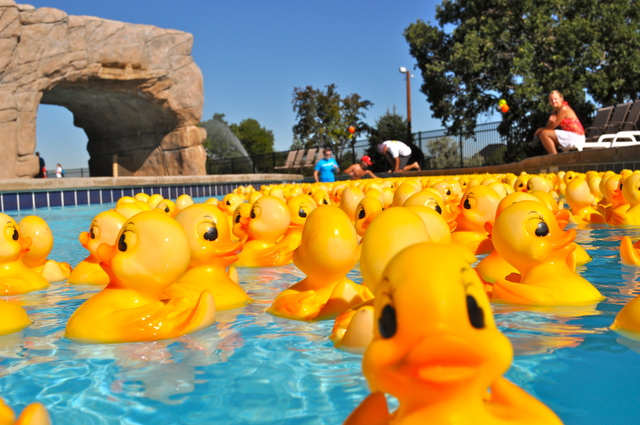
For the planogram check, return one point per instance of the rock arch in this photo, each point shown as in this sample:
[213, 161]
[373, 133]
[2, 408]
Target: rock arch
[134, 89]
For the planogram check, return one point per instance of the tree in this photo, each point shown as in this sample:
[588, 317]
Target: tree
[390, 126]
[445, 153]
[255, 139]
[324, 118]
[519, 50]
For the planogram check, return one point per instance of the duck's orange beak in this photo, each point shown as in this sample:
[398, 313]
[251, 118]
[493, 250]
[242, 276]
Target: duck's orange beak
[84, 239]
[106, 253]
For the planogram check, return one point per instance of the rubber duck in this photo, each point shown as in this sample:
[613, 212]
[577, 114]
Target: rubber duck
[33, 414]
[300, 206]
[403, 192]
[168, 207]
[151, 253]
[582, 202]
[520, 185]
[240, 222]
[141, 196]
[368, 208]
[326, 254]
[41, 236]
[351, 196]
[630, 189]
[527, 235]
[104, 228]
[612, 198]
[15, 276]
[129, 209]
[14, 318]
[437, 350]
[211, 252]
[629, 252]
[477, 207]
[269, 219]
[183, 201]
[154, 200]
[627, 321]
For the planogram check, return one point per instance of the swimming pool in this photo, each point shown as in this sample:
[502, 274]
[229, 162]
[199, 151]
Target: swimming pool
[253, 368]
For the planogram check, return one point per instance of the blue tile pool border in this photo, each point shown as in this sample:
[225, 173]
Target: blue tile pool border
[24, 200]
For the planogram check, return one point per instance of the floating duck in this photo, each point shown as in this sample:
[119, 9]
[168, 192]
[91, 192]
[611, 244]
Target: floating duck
[104, 228]
[154, 200]
[368, 208]
[15, 276]
[526, 234]
[183, 201]
[326, 254]
[627, 321]
[582, 202]
[129, 209]
[33, 414]
[240, 222]
[269, 219]
[168, 207]
[630, 189]
[437, 350]
[300, 206]
[629, 252]
[351, 197]
[477, 207]
[211, 252]
[14, 319]
[41, 236]
[151, 253]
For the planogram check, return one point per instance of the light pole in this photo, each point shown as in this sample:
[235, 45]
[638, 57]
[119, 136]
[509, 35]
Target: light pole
[405, 71]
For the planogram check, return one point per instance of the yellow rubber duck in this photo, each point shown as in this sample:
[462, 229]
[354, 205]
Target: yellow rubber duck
[300, 206]
[526, 234]
[129, 209]
[630, 189]
[33, 414]
[629, 252]
[154, 200]
[41, 236]
[104, 228]
[582, 202]
[477, 207]
[151, 253]
[240, 222]
[326, 254]
[269, 219]
[183, 201]
[437, 350]
[211, 252]
[14, 318]
[168, 207]
[15, 276]
[627, 321]
[349, 200]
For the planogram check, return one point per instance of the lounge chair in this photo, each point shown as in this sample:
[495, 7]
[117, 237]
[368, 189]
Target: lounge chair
[593, 133]
[289, 161]
[310, 159]
[629, 133]
[297, 162]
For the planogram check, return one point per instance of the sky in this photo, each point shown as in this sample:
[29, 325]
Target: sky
[253, 53]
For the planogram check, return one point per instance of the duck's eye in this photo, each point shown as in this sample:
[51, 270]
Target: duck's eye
[237, 220]
[302, 213]
[620, 186]
[211, 234]
[476, 315]
[228, 202]
[438, 209]
[361, 214]
[92, 234]
[15, 235]
[122, 245]
[521, 185]
[253, 213]
[324, 201]
[387, 324]
[447, 192]
[466, 205]
[167, 209]
[542, 229]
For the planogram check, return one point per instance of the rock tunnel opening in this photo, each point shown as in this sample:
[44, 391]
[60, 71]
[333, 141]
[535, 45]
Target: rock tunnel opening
[124, 126]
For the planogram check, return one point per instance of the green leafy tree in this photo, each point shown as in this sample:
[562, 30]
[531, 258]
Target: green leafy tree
[481, 51]
[255, 139]
[323, 118]
[444, 152]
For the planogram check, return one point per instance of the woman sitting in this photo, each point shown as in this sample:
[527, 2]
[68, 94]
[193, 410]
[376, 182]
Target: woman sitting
[570, 133]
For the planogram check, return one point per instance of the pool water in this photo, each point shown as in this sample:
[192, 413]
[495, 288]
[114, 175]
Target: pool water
[253, 368]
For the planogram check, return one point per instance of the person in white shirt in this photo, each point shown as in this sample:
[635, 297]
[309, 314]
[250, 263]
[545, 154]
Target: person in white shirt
[398, 154]
[58, 171]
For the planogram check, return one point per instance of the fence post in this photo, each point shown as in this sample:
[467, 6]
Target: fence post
[461, 160]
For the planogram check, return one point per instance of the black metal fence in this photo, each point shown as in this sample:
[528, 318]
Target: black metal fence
[439, 149]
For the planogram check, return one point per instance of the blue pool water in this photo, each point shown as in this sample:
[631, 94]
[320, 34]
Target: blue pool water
[253, 368]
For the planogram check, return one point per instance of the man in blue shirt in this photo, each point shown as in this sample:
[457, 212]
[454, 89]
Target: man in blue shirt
[325, 168]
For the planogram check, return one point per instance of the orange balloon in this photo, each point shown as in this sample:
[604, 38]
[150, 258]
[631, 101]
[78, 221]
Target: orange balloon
[352, 129]
[504, 108]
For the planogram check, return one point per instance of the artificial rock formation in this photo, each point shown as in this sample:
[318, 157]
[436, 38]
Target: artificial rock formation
[134, 89]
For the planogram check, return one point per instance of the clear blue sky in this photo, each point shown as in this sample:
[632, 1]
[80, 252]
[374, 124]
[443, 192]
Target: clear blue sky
[253, 53]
